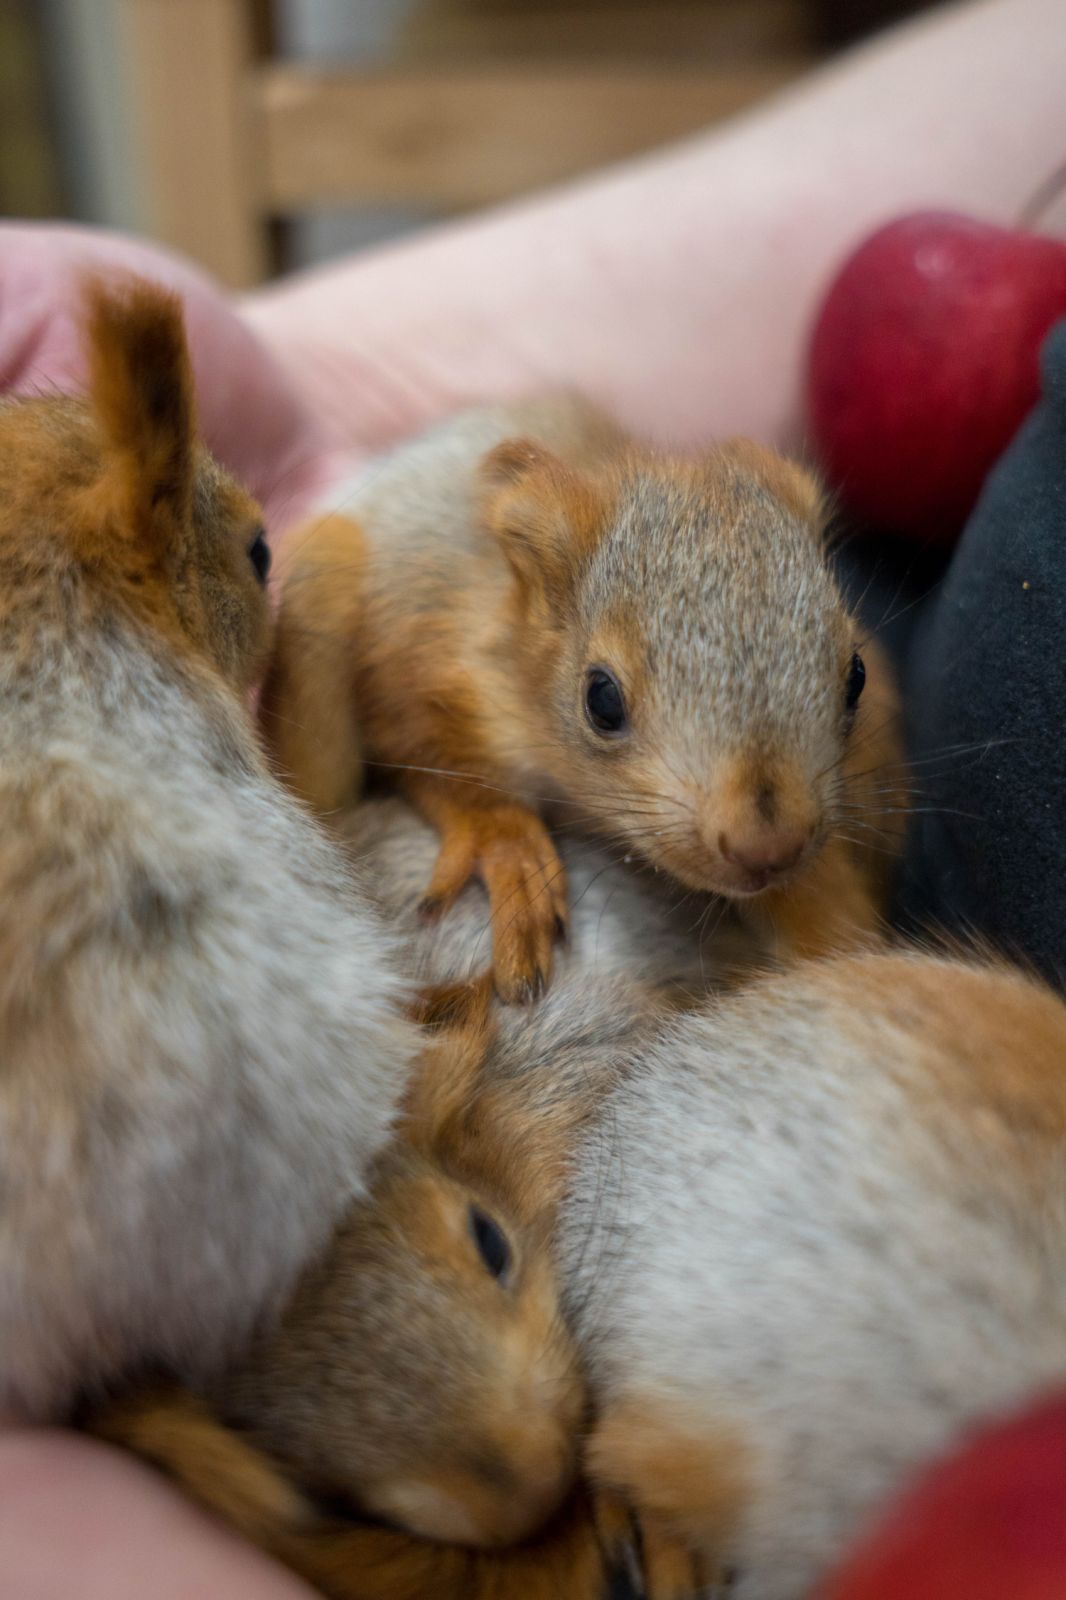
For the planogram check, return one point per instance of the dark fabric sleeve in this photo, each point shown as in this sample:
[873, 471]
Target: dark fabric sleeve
[985, 688]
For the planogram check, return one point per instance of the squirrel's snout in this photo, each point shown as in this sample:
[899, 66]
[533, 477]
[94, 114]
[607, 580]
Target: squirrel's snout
[764, 854]
[750, 827]
[760, 825]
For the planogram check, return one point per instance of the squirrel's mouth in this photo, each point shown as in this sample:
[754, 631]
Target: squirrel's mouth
[752, 884]
[713, 872]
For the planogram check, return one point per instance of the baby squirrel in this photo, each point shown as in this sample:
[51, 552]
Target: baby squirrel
[816, 1236]
[803, 1240]
[524, 606]
[202, 1034]
[421, 1371]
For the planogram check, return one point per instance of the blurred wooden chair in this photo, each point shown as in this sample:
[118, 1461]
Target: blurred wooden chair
[493, 102]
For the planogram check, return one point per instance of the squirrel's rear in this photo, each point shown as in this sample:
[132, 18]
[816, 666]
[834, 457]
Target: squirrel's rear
[818, 1236]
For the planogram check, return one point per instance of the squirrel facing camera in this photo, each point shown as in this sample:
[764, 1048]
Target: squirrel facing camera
[531, 611]
[717, 721]
[201, 1050]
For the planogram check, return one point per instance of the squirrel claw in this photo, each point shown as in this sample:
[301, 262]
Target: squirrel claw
[523, 990]
[430, 907]
[646, 1555]
[510, 850]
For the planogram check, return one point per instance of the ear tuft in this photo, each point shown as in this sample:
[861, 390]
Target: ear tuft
[545, 515]
[792, 484]
[141, 390]
[514, 459]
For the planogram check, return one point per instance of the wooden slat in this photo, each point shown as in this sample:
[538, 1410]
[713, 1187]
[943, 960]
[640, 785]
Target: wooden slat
[189, 66]
[29, 178]
[464, 137]
[725, 32]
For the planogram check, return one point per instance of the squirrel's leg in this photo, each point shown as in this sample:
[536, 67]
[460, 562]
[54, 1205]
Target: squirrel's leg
[307, 710]
[227, 1475]
[176, 1432]
[568, 1558]
[509, 849]
[683, 1491]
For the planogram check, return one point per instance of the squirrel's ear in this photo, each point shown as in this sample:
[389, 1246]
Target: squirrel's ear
[544, 514]
[792, 484]
[141, 390]
[459, 1018]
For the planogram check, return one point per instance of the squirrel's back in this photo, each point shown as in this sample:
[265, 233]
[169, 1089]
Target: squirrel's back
[825, 1225]
[201, 1037]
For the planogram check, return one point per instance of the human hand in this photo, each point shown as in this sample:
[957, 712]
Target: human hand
[78, 1518]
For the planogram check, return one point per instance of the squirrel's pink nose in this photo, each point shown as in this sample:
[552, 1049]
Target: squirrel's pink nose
[765, 854]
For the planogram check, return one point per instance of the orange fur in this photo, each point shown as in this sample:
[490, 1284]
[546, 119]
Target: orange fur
[788, 481]
[177, 1433]
[231, 1478]
[510, 850]
[690, 1491]
[312, 732]
[663, 1473]
[454, 648]
[116, 480]
[840, 900]
[547, 517]
[141, 382]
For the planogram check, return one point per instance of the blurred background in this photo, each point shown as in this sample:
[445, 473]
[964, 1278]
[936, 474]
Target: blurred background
[262, 135]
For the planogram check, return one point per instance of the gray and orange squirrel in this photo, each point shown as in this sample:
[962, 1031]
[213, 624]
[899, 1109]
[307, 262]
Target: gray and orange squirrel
[203, 1030]
[525, 612]
[739, 1265]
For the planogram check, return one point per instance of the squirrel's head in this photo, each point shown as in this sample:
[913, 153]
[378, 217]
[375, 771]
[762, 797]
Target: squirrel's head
[112, 500]
[697, 663]
[422, 1372]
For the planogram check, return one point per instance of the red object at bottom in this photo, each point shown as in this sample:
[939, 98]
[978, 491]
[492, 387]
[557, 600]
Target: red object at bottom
[987, 1524]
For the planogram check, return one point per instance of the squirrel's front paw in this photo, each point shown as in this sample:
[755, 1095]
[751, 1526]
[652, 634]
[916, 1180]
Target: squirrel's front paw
[510, 850]
[649, 1561]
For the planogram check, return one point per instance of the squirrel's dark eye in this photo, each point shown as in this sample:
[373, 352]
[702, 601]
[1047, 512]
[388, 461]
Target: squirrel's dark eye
[605, 706]
[856, 679]
[259, 555]
[491, 1243]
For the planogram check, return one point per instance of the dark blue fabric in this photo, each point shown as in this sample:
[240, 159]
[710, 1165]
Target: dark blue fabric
[985, 687]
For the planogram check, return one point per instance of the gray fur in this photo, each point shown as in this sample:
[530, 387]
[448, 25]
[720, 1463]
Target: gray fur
[200, 1032]
[799, 1225]
[626, 922]
[740, 629]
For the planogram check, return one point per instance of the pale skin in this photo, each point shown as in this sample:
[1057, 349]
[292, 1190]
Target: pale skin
[692, 327]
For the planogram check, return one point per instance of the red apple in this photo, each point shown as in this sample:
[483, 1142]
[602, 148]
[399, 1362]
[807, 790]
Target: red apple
[924, 362]
[989, 1524]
